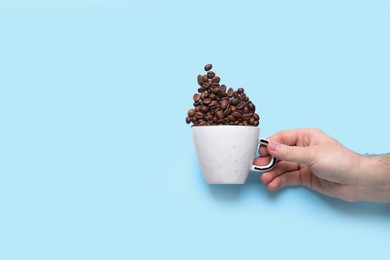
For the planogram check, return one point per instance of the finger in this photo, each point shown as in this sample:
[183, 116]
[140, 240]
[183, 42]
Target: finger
[280, 168]
[263, 151]
[287, 179]
[288, 137]
[260, 161]
[292, 153]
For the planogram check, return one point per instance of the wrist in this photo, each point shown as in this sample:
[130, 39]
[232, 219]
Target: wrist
[374, 181]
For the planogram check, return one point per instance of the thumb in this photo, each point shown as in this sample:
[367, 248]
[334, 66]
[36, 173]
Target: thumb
[290, 153]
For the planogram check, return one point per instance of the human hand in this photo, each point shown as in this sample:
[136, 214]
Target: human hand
[313, 159]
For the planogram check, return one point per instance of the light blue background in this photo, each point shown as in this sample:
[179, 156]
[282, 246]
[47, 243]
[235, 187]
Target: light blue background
[96, 161]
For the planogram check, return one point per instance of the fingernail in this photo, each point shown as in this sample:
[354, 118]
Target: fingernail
[273, 146]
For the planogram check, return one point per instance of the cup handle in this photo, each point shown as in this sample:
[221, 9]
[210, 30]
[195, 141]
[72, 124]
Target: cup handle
[267, 167]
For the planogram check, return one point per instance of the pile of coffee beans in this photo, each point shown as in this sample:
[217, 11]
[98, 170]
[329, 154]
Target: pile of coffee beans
[214, 104]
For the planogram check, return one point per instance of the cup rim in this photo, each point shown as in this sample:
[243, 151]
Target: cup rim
[198, 126]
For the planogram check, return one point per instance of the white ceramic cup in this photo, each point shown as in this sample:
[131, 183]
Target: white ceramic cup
[226, 153]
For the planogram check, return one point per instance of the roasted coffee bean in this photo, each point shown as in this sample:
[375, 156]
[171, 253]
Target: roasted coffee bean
[236, 95]
[231, 118]
[203, 95]
[191, 112]
[219, 114]
[200, 80]
[216, 79]
[240, 105]
[201, 122]
[206, 101]
[224, 104]
[256, 117]
[212, 96]
[226, 112]
[215, 120]
[246, 116]
[251, 106]
[243, 97]
[204, 109]
[199, 115]
[210, 74]
[221, 121]
[223, 88]
[240, 90]
[215, 85]
[245, 123]
[251, 121]
[205, 78]
[205, 85]
[188, 119]
[230, 92]
[206, 117]
[208, 67]
[213, 103]
[237, 114]
[216, 90]
[256, 123]
[196, 97]
[246, 109]
[233, 108]
[197, 103]
[234, 102]
[200, 90]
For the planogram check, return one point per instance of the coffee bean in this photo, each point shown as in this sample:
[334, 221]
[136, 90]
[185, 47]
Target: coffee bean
[210, 74]
[216, 90]
[188, 119]
[226, 112]
[231, 118]
[251, 106]
[256, 117]
[251, 121]
[201, 122]
[224, 104]
[256, 123]
[240, 90]
[236, 95]
[243, 97]
[237, 114]
[216, 79]
[199, 115]
[233, 108]
[212, 96]
[191, 112]
[219, 114]
[230, 92]
[213, 103]
[196, 97]
[204, 109]
[215, 85]
[197, 109]
[208, 67]
[200, 80]
[246, 116]
[223, 88]
[205, 85]
[234, 102]
[240, 105]
[203, 95]
[246, 109]
[207, 101]
[215, 120]
[200, 90]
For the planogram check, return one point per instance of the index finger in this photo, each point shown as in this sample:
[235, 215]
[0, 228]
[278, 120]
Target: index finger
[287, 137]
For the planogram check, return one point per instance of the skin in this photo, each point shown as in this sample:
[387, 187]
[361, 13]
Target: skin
[311, 158]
